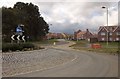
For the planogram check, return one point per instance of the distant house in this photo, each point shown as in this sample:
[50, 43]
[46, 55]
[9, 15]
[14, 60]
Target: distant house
[75, 34]
[80, 35]
[94, 38]
[65, 35]
[83, 35]
[51, 35]
[109, 33]
[57, 36]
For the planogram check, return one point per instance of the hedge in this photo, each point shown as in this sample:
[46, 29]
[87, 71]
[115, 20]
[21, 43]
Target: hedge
[14, 47]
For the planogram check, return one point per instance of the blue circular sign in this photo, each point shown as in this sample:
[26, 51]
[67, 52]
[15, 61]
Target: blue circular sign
[19, 29]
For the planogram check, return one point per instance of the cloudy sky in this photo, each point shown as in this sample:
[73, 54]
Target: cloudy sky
[68, 16]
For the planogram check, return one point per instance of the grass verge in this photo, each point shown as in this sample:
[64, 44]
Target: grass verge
[112, 47]
[45, 42]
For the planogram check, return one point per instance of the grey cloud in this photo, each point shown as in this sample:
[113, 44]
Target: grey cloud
[75, 15]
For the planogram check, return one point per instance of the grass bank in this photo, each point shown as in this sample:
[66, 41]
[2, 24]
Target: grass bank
[111, 48]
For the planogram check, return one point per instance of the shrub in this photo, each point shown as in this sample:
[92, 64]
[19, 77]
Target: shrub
[28, 45]
[13, 47]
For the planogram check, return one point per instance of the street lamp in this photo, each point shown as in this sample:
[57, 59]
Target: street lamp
[107, 21]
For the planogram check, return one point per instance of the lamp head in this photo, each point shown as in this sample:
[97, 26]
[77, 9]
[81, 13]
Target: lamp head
[103, 7]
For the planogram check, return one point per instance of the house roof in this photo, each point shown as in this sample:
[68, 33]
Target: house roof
[95, 35]
[117, 28]
[81, 33]
[108, 28]
[78, 31]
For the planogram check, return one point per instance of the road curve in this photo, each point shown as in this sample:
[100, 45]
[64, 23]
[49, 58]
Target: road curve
[85, 64]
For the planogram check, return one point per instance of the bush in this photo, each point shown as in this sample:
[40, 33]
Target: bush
[28, 45]
[14, 47]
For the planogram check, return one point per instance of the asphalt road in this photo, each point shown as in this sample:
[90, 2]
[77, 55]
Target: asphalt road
[84, 64]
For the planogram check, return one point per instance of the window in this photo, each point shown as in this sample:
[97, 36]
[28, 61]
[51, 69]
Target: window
[117, 33]
[110, 33]
[117, 39]
[110, 39]
[103, 39]
[102, 33]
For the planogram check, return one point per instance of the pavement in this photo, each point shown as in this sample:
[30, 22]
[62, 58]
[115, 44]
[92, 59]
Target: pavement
[59, 61]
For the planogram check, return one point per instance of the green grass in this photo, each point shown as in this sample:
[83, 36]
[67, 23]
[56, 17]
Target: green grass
[112, 47]
[110, 44]
[45, 42]
[101, 50]
[81, 43]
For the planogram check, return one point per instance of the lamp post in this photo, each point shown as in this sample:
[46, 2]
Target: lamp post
[107, 23]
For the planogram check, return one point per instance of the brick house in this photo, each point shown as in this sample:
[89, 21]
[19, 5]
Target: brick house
[56, 36]
[59, 36]
[83, 35]
[51, 35]
[110, 33]
[75, 34]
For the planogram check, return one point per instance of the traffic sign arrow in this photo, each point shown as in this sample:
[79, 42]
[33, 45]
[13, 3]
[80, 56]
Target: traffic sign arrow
[12, 37]
[18, 37]
[23, 38]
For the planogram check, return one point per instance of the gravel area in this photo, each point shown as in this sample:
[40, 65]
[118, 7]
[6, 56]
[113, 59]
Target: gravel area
[23, 62]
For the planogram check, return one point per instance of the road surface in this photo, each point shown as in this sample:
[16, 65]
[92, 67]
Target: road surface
[73, 63]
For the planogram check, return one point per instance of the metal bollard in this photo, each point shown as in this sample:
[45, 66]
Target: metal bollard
[54, 43]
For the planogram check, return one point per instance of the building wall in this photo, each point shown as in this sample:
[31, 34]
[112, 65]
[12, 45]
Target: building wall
[86, 35]
[102, 37]
[115, 36]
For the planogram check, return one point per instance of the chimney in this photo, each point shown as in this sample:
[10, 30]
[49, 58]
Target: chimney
[87, 30]
[78, 31]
